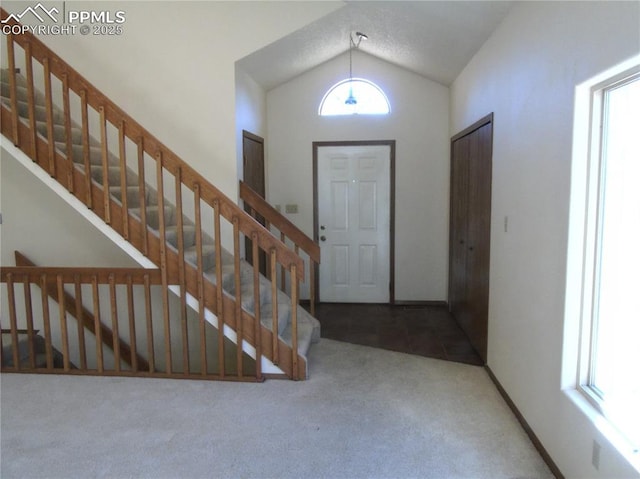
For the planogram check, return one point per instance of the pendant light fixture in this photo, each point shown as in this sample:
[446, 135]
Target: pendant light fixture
[351, 99]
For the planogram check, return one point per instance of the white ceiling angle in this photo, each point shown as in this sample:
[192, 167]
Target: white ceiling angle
[435, 39]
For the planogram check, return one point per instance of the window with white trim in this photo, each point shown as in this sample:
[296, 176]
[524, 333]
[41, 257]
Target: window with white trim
[609, 366]
[354, 96]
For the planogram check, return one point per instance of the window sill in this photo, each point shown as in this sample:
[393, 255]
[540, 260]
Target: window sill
[605, 427]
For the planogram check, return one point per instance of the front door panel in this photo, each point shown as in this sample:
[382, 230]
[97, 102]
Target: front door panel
[354, 223]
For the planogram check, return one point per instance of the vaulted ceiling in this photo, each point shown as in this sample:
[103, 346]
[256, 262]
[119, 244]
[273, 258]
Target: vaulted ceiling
[435, 39]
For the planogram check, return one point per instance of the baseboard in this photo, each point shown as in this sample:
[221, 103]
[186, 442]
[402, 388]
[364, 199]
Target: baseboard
[419, 303]
[532, 436]
[275, 376]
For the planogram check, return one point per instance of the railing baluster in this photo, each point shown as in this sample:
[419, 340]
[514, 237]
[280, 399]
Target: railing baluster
[312, 286]
[98, 323]
[219, 302]
[29, 313]
[283, 271]
[13, 88]
[163, 263]
[199, 280]
[85, 148]
[46, 321]
[218, 253]
[80, 322]
[67, 129]
[274, 307]
[294, 322]
[13, 321]
[142, 192]
[50, 131]
[256, 304]
[297, 251]
[105, 165]
[1, 347]
[123, 181]
[132, 325]
[269, 271]
[182, 273]
[114, 320]
[238, 289]
[63, 323]
[149, 319]
[31, 101]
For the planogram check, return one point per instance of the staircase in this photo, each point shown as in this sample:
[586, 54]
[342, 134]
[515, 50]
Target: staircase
[103, 157]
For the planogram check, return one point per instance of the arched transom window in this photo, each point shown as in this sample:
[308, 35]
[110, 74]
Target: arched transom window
[354, 97]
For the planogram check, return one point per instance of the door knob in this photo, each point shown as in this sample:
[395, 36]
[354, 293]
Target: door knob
[322, 227]
[323, 238]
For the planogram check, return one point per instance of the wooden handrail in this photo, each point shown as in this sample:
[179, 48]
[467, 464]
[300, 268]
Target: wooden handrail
[81, 313]
[69, 274]
[86, 168]
[275, 218]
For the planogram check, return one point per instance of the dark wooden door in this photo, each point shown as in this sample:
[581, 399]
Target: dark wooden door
[470, 230]
[254, 177]
[458, 291]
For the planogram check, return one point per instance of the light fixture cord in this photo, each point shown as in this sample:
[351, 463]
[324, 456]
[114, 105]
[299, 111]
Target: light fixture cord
[351, 45]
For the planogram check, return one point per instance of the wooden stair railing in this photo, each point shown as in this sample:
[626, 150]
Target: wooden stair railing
[118, 301]
[274, 219]
[85, 318]
[81, 99]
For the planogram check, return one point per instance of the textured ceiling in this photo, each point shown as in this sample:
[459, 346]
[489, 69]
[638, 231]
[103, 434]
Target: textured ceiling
[435, 39]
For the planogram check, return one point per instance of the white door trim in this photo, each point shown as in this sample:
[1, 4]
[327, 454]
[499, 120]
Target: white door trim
[392, 189]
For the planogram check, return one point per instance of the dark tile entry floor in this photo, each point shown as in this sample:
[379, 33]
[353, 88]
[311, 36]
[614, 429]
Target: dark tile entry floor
[423, 330]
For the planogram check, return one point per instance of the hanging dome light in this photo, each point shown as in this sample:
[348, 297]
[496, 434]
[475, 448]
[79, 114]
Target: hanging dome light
[351, 100]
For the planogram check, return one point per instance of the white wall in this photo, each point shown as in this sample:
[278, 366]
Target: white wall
[38, 223]
[526, 73]
[419, 124]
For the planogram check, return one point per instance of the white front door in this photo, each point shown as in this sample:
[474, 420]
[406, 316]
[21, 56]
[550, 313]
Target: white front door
[354, 194]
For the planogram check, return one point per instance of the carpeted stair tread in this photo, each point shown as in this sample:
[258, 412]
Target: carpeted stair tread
[40, 111]
[114, 175]
[22, 92]
[77, 152]
[59, 132]
[133, 196]
[21, 80]
[153, 215]
[248, 295]
[188, 235]
[208, 256]
[284, 315]
[227, 275]
[305, 333]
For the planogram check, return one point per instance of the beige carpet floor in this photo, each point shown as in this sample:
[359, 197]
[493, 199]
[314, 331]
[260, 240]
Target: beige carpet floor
[364, 413]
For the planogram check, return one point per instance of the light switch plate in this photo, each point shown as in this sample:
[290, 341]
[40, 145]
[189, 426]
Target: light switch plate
[291, 209]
